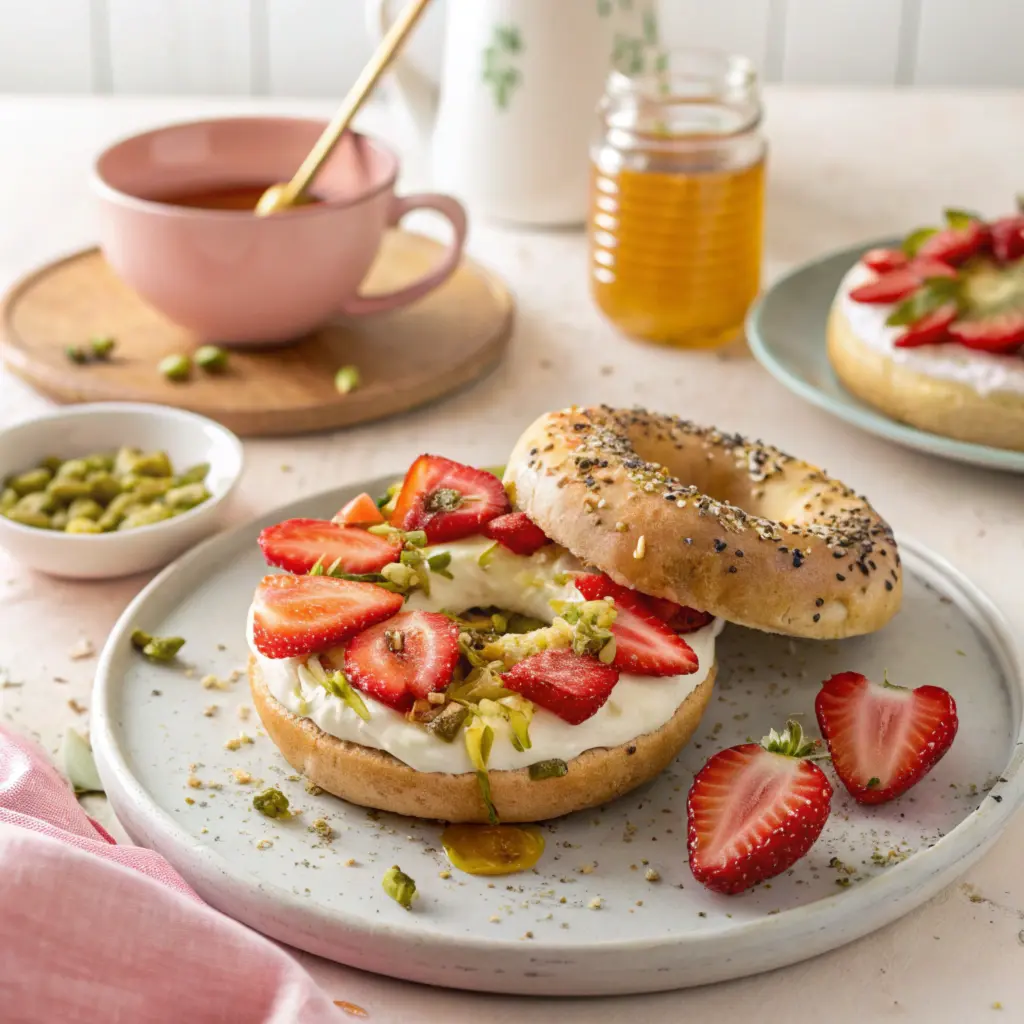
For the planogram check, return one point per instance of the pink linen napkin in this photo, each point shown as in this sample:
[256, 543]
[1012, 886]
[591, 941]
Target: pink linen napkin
[94, 931]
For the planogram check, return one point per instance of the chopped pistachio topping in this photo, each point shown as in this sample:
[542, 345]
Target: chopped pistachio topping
[271, 802]
[486, 556]
[336, 684]
[399, 886]
[157, 648]
[479, 737]
[446, 725]
[439, 564]
[553, 768]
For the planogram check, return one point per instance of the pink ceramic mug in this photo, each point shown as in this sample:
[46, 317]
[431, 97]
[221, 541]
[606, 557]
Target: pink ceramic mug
[231, 276]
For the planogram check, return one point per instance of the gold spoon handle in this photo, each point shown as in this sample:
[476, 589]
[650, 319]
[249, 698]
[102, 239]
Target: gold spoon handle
[368, 78]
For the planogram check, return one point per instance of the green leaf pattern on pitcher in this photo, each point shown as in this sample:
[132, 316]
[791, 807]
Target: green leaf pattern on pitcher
[630, 53]
[499, 70]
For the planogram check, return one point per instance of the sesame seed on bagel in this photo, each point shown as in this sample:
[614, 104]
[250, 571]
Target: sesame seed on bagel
[709, 520]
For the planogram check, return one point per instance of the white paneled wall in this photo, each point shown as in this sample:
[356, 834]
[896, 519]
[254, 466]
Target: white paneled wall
[315, 47]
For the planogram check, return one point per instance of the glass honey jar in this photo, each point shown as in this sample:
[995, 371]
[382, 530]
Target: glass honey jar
[677, 198]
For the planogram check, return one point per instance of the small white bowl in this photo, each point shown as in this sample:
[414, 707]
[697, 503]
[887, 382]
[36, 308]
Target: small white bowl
[106, 426]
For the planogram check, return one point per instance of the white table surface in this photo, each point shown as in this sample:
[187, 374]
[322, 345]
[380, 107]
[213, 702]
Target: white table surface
[845, 166]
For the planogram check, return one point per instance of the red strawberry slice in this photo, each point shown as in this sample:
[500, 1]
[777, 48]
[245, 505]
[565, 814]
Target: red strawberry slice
[643, 643]
[360, 511]
[679, 618]
[572, 686]
[932, 329]
[447, 500]
[517, 532]
[883, 260]
[404, 658]
[954, 245]
[296, 545]
[296, 615]
[883, 738]
[890, 287]
[1008, 239]
[754, 811]
[999, 334]
[927, 267]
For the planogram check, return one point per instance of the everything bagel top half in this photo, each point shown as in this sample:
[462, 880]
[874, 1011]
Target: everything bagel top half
[709, 520]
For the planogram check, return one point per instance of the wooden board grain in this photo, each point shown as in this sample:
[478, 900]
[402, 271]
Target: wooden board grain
[406, 358]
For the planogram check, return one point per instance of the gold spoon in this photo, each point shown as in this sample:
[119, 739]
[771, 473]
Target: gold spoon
[285, 195]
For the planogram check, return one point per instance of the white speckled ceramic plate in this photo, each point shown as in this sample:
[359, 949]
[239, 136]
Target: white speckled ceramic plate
[538, 932]
[786, 332]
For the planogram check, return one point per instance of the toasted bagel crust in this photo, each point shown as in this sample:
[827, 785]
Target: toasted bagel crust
[373, 778]
[939, 406]
[709, 520]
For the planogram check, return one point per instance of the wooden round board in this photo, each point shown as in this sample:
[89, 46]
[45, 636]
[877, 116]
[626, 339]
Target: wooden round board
[405, 358]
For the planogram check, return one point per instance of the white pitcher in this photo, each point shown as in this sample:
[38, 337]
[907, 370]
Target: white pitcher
[508, 130]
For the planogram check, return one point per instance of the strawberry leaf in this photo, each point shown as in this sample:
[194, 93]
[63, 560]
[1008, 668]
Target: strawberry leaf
[959, 219]
[935, 292]
[916, 239]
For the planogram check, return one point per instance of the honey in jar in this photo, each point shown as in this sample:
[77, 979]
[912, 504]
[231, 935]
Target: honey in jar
[677, 198]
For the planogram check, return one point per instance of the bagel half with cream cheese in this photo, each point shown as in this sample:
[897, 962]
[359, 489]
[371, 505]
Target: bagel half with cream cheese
[709, 520]
[940, 350]
[374, 778]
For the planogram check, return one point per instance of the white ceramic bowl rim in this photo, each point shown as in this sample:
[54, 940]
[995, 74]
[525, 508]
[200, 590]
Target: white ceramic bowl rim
[152, 411]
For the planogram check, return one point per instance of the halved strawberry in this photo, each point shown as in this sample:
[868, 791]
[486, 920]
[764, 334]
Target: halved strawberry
[954, 245]
[883, 260]
[679, 618]
[448, 500]
[926, 268]
[1000, 334]
[296, 545]
[1008, 238]
[517, 532]
[643, 643]
[296, 615]
[754, 810]
[883, 738]
[932, 329]
[405, 658]
[360, 511]
[890, 287]
[572, 686]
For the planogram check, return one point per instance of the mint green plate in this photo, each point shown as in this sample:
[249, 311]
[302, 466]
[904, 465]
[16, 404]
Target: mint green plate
[786, 332]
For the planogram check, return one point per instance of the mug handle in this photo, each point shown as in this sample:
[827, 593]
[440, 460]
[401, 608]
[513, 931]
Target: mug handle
[453, 211]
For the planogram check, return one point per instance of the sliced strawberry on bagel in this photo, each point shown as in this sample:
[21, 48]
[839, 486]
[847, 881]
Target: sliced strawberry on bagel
[572, 686]
[932, 329]
[447, 500]
[754, 810]
[517, 532]
[679, 618]
[1000, 334]
[1008, 239]
[890, 287]
[954, 245]
[928, 268]
[296, 545]
[881, 261]
[883, 738]
[360, 511]
[296, 615]
[643, 643]
[404, 658]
